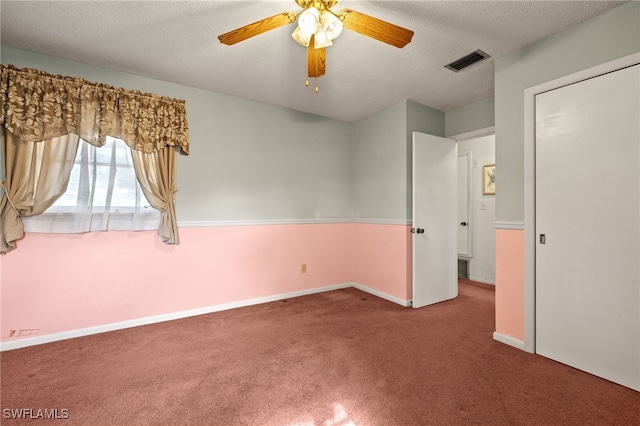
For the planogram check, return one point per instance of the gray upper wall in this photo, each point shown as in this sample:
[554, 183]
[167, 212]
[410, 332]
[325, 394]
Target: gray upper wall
[474, 116]
[259, 162]
[379, 179]
[606, 37]
[422, 119]
[381, 182]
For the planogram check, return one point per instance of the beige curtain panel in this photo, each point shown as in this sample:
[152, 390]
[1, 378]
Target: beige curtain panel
[43, 116]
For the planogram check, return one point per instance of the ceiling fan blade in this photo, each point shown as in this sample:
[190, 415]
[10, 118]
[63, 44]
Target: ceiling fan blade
[259, 27]
[315, 60]
[375, 28]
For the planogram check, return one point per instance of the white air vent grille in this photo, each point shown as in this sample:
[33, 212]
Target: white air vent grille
[470, 59]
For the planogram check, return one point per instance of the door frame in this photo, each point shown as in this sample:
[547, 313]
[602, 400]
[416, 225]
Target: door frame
[469, 155]
[530, 181]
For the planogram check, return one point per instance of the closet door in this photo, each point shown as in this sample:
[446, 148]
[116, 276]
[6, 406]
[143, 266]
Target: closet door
[588, 225]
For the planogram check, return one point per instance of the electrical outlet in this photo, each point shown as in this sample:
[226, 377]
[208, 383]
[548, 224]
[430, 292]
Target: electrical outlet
[303, 268]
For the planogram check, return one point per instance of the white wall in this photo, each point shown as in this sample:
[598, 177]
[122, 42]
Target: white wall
[482, 266]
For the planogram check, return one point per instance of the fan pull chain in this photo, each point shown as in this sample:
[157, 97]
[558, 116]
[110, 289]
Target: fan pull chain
[306, 83]
[316, 63]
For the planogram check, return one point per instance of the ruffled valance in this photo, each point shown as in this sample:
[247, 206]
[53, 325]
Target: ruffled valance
[38, 106]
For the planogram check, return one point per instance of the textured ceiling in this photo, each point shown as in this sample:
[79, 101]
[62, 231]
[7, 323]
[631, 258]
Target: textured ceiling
[176, 41]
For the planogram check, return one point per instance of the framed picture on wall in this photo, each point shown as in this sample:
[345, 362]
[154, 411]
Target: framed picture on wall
[489, 179]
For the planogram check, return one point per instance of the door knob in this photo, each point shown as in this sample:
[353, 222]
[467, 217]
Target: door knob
[463, 223]
[420, 231]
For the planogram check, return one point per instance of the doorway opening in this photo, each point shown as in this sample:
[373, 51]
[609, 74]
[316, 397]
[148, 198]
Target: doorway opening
[463, 269]
[476, 207]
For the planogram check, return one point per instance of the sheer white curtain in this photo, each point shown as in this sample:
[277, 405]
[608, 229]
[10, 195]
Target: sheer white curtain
[103, 194]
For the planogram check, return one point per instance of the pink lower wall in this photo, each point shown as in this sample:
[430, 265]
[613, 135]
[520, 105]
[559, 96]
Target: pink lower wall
[56, 283]
[510, 283]
[382, 258]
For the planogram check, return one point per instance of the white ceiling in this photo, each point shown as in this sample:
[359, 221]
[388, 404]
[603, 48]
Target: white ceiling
[177, 41]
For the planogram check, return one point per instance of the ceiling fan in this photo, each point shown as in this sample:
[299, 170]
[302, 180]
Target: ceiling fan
[317, 26]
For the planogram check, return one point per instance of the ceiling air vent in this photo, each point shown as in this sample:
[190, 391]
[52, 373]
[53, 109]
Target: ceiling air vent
[467, 61]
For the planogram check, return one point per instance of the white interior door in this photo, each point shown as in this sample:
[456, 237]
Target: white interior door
[588, 225]
[435, 260]
[464, 204]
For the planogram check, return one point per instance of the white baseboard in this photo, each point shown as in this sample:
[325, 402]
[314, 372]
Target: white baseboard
[49, 338]
[480, 280]
[508, 340]
[401, 302]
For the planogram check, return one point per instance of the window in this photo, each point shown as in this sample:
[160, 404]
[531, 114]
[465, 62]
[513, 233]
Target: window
[103, 194]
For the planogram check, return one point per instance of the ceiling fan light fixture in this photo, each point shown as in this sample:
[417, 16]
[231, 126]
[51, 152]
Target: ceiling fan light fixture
[308, 20]
[321, 40]
[301, 37]
[330, 25]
